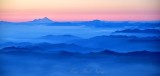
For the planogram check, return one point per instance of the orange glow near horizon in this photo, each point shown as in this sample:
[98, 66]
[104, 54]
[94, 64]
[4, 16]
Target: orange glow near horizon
[80, 10]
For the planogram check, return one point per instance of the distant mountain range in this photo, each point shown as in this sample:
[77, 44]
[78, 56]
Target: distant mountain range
[59, 38]
[18, 50]
[72, 43]
[148, 31]
[124, 43]
[47, 47]
[92, 23]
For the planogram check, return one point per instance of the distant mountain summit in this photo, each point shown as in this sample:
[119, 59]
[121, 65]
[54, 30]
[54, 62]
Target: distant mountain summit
[51, 37]
[42, 20]
[59, 38]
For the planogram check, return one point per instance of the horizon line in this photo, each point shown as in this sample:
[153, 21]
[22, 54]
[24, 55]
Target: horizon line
[83, 20]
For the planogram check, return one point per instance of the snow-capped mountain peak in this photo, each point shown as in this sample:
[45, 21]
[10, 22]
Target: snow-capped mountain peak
[42, 20]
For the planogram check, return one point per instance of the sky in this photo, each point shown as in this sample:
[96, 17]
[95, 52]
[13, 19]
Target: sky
[80, 10]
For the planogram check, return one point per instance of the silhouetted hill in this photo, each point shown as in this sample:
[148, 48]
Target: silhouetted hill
[59, 38]
[152, 31]
[143, 53]
[69, 53]
[120, 43]
[14, 50]
[15, 44]
[48, 47]
[146, 39]
[113, 42]
[108, 52]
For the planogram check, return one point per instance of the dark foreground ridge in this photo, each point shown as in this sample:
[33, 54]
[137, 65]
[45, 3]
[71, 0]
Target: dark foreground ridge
[16, 50]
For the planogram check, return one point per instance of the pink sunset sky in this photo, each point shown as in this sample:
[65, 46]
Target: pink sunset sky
[80, 10]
